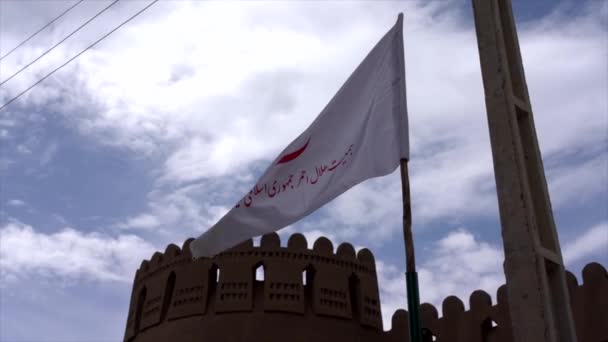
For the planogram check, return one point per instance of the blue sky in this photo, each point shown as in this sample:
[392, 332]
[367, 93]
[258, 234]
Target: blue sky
[150, 137]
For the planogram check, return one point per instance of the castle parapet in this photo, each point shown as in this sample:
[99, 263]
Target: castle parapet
[487, 322]
[315, 295]
[309, 283]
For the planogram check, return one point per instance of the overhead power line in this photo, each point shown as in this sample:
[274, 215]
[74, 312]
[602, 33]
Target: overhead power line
[80, 53]
[61, 41]
[45, 26]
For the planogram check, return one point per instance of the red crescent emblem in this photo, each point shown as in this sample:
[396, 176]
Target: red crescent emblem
[293, 155]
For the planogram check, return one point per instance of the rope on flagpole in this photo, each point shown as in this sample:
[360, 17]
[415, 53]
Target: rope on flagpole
[411, 276]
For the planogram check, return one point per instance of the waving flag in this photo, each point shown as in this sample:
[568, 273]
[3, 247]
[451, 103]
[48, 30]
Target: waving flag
[361, 134]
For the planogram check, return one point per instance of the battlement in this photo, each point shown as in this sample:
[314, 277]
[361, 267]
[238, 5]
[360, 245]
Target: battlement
[297, 281]
[489, 322]
[297, 247]
[315, 295]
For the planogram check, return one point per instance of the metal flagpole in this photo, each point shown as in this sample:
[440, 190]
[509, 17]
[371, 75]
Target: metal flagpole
[411, 276]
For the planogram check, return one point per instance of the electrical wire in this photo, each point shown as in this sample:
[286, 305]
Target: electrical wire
[45, 26]
[61, 41]
[80, 53]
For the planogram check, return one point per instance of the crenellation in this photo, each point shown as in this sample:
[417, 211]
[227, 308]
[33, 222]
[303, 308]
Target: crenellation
[594, 273]
[453, 320]
[143, 267]
[186, 248]
[306, 255]
[297, 242]
[502, 296]
[283, 289]
[502, 316]
[571, 281]
[480, 301]
[172, 251]
[156, 260]
[243, 246]
[399, 328]
[341, 286]
[428, 313]
[161, 262]
[492, 322]
[365, 257]
[593, 293]
[346, 251]
[452, 306]
[270, 241]
[323, 247]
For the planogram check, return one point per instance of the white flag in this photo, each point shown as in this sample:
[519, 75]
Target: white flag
[362, 133]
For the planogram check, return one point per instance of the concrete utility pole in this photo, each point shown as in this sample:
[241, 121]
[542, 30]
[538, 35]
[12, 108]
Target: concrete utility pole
[539, 302]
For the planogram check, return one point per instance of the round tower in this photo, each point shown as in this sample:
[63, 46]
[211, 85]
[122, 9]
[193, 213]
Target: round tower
[305, 295]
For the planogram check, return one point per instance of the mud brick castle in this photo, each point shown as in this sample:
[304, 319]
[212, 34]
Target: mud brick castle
[314, 295]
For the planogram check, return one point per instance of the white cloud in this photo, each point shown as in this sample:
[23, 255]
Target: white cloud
[209, 115]
[210, 89]
[312, 236]
[69, 254]
[575, 184]
[592, 242]
[48, 153]
[15, 202]
[458, 264]
[5, 163]
[451, 169]
[6, 122]
[142, 221]
[185, 210]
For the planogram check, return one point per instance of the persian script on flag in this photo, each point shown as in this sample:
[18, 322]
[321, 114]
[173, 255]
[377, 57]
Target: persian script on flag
[362, 133]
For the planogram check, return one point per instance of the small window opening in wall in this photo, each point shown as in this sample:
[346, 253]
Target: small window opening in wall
[168, 296]
[308, 280]
[308, 276]
[488, 328]
[257, 241]
[259, 273]
[213, 280]
[140, 308]
[354, 289]
[428, 336]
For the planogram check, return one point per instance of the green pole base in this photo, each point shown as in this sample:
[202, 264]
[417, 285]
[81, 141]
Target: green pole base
[413, 306]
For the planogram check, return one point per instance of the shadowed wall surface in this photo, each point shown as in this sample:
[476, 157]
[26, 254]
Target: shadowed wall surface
[306, 295]
[314, 295]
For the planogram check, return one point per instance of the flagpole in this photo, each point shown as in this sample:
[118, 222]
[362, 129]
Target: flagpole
[411, 276]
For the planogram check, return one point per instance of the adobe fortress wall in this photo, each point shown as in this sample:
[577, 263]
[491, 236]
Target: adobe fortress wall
[315, 295]
[306, 294]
